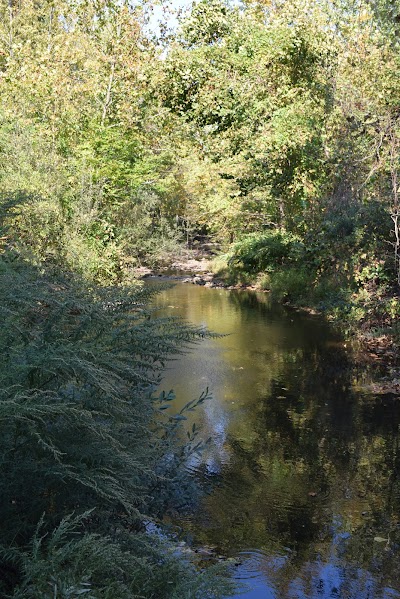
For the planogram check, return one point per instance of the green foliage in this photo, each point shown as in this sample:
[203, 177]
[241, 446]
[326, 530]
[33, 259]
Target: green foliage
[271, 115]
[83, 432]
[302, 287]
[43, 232]
[264, 251]
[344, 266]
[73, 138]
[71, 563]
[144, 229]
[257, 102]
[207, 23]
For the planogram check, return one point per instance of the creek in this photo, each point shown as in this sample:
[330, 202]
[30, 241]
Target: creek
[302, 469]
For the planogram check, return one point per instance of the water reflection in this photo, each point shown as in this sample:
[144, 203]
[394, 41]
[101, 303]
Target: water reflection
[308, 493]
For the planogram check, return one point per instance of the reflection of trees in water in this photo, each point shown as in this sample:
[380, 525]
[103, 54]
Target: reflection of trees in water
[307, 470]
[314, 471]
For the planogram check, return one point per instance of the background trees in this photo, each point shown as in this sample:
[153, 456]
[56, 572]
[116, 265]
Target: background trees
[253, 116]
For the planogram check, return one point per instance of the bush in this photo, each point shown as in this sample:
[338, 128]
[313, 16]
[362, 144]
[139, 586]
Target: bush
[82, 433]
[291, 285]
[82, 242]
[71, 563]
[263, 251]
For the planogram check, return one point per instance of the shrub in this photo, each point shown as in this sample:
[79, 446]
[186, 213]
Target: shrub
[83, 433]
[292, 284]
[262, 251]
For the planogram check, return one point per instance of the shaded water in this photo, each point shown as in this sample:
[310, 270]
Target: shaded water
[306, 470]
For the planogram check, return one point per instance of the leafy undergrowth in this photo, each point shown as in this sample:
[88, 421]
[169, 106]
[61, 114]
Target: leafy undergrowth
[90, 453]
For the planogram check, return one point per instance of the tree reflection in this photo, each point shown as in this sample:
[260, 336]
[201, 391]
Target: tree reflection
[309, 473]
[315, 471]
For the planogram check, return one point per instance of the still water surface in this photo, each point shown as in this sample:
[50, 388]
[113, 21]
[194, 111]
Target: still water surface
[305, 469]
